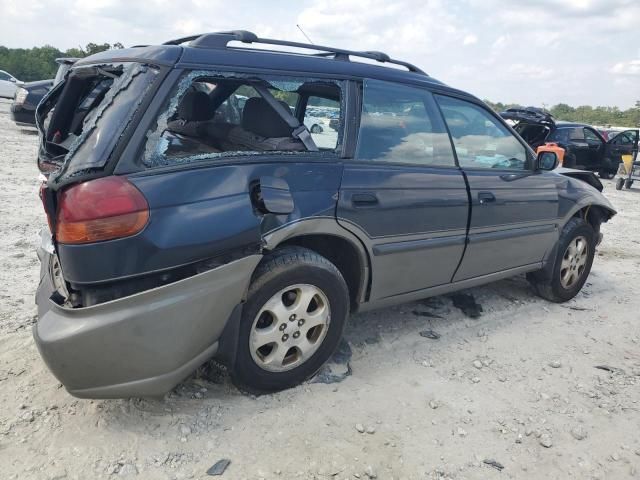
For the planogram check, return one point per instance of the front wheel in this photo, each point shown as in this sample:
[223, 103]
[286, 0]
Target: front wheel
[292, 320]
[628, 183]
[619, 183]
[574, 257]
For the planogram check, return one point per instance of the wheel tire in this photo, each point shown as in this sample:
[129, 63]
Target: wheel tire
[316, 128]
[619, 183]
[553, 289]
[289, 267]
[605, 174]
[628, 183]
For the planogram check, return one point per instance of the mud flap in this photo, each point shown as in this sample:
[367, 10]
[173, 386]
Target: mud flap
[228, 345]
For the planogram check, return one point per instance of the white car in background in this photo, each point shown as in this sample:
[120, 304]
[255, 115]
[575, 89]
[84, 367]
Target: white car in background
[8, 84]
[315, 124]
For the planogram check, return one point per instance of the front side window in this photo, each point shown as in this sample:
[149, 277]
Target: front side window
[211, 115]
[398, 125]
[591, 137]
[480, 140]
[624, 138]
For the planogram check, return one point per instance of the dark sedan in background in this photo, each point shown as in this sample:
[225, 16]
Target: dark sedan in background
[23, 108]
[28, 96]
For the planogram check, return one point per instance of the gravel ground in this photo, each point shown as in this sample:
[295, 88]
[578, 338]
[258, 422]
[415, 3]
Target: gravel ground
[508, 390]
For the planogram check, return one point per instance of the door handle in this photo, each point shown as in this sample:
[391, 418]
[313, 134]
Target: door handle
[486, 197]
[364, 200]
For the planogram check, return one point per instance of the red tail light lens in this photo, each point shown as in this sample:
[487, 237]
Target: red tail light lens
[101, 209]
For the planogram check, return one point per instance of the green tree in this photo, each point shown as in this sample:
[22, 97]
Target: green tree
[39, 63]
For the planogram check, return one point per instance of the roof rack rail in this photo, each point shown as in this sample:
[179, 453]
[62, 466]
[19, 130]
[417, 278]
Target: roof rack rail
[222, 39]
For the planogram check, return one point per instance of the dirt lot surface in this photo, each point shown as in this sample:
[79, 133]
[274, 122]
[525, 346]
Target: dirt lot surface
[512, 380]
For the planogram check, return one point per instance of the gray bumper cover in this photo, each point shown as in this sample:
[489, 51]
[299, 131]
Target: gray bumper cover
[143, 344]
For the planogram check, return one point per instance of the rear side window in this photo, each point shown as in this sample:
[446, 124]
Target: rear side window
[212, 115]
[576, 135]
[398, 125]
[559, 135]
[480, 140]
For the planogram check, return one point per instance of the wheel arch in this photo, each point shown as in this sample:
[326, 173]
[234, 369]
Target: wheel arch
[326, 237]
[594, 213]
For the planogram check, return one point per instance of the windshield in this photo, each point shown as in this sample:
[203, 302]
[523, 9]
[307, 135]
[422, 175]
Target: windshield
[94, 107]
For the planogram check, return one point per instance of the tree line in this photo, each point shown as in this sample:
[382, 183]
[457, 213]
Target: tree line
[601, 116]
[38, 63]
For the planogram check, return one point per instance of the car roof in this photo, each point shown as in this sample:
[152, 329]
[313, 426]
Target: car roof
[563, 124]
[194, 56]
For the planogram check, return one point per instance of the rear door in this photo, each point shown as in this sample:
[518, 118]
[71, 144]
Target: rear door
[403, 194]
[578, 149]
[596, 146]
[514, 209]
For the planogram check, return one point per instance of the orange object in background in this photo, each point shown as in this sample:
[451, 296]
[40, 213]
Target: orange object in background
[552, 147]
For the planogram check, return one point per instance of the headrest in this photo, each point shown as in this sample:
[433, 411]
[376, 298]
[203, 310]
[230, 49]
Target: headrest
[260, 118]
[196, 106]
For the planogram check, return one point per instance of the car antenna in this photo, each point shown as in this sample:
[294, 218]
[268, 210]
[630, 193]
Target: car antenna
[305, 35]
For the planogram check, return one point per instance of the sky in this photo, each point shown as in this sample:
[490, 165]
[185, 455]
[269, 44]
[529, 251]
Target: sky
[542, 52]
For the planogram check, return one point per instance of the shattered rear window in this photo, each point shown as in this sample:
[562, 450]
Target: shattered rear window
[212, 115]
[93, 111]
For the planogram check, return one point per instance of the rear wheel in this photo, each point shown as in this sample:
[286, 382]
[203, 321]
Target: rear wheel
[574, 257]
[628, 183]
[605, 174]
[292, 320]
[316, 128]
[619, 183]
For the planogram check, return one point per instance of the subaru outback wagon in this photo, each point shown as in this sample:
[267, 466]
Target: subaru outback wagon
[193, 214]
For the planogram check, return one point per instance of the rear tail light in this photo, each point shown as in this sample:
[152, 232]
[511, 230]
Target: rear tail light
[101, 209]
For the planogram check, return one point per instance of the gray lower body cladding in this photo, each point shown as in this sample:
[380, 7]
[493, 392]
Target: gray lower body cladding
[143, 344]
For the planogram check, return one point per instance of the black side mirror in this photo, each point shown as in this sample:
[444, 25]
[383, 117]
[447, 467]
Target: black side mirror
[547, 161]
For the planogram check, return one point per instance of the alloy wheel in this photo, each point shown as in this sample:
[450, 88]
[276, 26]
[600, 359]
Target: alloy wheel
[290, 328]
[574, 262]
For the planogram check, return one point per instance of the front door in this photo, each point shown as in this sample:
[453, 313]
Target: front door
[514, 209]
[622, 144]
[403, 195]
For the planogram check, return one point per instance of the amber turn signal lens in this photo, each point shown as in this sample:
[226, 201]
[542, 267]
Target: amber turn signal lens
[99, 210]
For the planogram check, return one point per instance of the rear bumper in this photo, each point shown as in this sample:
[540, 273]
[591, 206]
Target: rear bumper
[143, 344]
[23, 116]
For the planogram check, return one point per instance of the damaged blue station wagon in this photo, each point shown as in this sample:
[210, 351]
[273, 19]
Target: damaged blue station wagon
[210, 199]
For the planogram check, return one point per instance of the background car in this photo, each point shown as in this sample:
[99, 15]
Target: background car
[26, 100]
[8, 84]
[314, 124]
[585, 148]
[29, 94]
